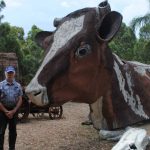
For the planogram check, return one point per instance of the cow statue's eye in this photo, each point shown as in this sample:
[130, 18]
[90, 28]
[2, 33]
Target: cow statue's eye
[83, 51]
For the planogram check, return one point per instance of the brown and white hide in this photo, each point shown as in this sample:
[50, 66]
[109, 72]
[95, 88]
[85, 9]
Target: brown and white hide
[128, 101]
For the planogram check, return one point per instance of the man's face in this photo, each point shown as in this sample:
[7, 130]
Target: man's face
[10, 75]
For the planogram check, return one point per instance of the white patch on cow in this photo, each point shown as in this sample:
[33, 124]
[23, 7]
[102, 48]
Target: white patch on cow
[138, 63]
[64, 33]
[132, 137]
[118, 59]
[98, 120]
[139, 67]
[111, 135]
[96, 115]
[133, 102]
[142, 70]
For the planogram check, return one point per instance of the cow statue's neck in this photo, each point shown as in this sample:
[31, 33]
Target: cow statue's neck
[127, 96]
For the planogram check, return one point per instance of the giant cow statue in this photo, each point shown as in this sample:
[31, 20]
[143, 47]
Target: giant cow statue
[80, 67]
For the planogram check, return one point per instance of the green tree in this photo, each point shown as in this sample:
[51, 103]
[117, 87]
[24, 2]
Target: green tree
[11, 39]
[123, 43]
[28, 52]
[140, 21]
[142, 46]
[145, 32]
[142, 51]
[2, 5]
[32, 55]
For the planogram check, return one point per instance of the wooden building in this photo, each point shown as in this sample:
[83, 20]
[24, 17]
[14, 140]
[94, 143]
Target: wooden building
[7, 59]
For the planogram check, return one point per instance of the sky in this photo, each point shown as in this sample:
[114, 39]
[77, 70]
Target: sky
[25, 13]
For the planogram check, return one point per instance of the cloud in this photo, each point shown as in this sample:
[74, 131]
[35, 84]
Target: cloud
[135, 9]
[43, 13]
[69, 4]
[14, 3]
[89, 3]
[65, 4]
[129, 9]
[79, 3]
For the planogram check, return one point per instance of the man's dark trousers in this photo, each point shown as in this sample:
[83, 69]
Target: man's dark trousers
[4, 120]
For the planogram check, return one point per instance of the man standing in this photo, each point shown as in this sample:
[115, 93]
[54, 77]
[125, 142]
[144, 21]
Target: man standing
[11, 100]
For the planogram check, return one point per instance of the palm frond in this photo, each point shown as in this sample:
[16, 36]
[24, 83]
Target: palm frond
[2, 4]
[140, 21]
[1, 17]
[149, 2]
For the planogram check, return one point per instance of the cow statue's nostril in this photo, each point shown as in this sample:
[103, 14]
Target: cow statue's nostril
[35, 94]
[133, 147]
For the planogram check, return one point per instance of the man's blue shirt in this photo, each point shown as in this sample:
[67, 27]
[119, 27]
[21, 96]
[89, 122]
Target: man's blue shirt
[10, 93]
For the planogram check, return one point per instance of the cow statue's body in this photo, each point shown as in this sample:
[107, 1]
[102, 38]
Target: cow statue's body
[80, 67]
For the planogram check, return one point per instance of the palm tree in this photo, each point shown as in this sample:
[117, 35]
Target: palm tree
[2, 5]
[140, 21]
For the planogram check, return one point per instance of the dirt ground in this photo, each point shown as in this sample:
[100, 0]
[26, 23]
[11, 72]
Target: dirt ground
[64, 134]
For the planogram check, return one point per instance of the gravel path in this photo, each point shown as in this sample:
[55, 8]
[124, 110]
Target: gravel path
[64, 134]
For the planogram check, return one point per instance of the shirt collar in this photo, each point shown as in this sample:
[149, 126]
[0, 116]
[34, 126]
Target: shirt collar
[8, 83]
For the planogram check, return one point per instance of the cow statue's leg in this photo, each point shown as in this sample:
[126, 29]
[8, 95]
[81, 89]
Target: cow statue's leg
[130, 138]
[96, 113]
[105, 121]
[88, 121]
[102, 114]
[133, 138]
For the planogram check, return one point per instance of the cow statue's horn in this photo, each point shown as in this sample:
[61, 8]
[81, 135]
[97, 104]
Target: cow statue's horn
[104, 8]
[57, 21]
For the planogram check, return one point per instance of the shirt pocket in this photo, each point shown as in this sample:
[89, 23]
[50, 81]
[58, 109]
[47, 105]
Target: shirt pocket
[5, 92]
[16, 92]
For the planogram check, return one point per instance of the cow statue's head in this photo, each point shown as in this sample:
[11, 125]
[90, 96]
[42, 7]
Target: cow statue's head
[75, 66]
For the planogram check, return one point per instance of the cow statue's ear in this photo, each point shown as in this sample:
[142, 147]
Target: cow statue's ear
[109, 26]
[41, 36]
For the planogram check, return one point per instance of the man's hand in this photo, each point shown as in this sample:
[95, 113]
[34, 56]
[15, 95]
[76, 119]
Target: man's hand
[2, 108]
[10, 113]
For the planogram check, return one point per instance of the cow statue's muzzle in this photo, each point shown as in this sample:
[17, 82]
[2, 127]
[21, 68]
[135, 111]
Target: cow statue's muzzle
[38, 96]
